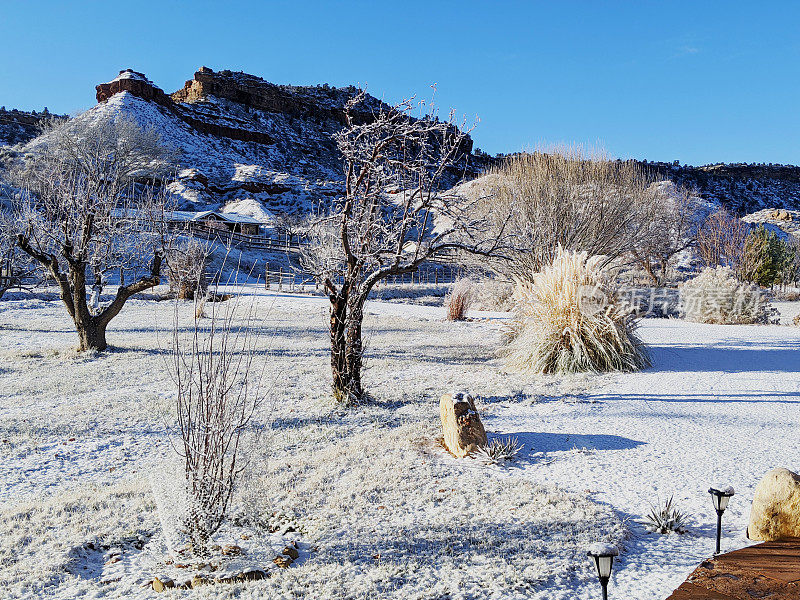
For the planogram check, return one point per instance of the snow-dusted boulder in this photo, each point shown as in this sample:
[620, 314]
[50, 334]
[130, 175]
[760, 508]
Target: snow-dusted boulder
[461, 424]
[775, 514]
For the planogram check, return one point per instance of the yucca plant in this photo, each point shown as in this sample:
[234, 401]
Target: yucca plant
[568, 320]
[498, 450]
[667, 518]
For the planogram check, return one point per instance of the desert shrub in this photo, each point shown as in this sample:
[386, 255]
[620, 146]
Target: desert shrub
[492, 294]
[717, 296]
[666, 518]
[459, 299]
[796, 321]
[568, 319]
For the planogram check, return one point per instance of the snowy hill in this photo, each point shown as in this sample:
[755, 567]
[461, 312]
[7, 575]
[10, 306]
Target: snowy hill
[240, 138]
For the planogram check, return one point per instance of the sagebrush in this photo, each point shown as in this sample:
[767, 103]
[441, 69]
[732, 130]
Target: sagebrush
[717, 296]
[568, 320]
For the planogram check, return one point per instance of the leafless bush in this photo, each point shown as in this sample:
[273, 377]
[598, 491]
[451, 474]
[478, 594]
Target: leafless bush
[186, 268]
[218, 390]
[459, 299]
[565, 198]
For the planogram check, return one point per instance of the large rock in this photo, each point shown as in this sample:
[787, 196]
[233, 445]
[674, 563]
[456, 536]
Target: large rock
[461, 424]
[775, 514]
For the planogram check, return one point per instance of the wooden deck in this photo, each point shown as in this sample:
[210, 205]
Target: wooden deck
[768, 570]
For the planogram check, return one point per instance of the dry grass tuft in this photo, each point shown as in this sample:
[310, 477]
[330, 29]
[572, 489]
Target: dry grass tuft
[459, 300]
[568, 320]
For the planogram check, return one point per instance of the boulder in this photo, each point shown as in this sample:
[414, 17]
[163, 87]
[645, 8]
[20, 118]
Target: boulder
[775, 513]
[461, 424]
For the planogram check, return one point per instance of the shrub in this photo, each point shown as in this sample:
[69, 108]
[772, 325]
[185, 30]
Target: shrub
[716, 296]
[569, 320]
[187, 268]
[459, 299]
[666, 519]
[492, 294]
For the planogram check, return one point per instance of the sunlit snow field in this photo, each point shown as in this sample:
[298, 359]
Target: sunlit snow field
[391, 514]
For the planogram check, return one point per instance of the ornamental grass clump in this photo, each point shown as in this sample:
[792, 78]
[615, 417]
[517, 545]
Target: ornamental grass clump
[569, 320]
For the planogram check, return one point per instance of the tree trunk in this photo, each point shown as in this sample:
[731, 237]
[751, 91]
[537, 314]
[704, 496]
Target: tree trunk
[92, 335]
[347, 315]
[338, 347]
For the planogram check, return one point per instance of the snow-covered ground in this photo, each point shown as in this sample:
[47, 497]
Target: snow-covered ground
[390, 514]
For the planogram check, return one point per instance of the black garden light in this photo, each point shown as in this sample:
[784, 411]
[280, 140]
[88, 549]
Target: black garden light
[603, 556]
[720, 496]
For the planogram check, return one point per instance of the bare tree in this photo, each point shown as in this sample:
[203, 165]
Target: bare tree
[93, 203]
[391, 219]
[670, 224]
[218, 392]
[721, 241]
[566, 199]
[292, 225]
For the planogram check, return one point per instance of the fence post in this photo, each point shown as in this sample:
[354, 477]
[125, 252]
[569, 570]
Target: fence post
[280, 279]
[266, 276]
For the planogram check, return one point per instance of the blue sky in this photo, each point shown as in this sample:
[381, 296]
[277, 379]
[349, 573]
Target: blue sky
[695, 81]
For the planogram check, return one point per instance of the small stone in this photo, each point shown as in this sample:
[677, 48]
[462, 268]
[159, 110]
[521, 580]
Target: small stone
[283, 561]
[232, 550]
[253, 575]
[159, 585]
[197, 581]
[291, 552]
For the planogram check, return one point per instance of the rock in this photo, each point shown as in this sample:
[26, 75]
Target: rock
[775, 513]
[283, 561]
[291, 552]
[461, 424]
[197, 581]
[159, 585]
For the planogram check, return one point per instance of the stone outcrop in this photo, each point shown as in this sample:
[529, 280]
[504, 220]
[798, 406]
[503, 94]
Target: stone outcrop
[775, 513]
[461, 424]
[137, 84]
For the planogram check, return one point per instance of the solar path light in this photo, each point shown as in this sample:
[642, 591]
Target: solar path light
[719, 497]
[603, 556]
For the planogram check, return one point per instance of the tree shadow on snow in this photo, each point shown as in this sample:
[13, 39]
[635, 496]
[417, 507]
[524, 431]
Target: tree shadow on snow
[782, 356]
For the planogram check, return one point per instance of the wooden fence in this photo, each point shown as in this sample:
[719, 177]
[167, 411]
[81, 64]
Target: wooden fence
[291, 280]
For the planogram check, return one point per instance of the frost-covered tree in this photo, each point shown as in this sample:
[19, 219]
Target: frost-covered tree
[91, 205]
[392, 218]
